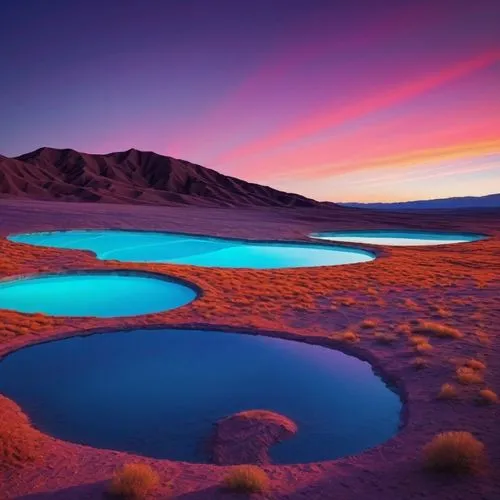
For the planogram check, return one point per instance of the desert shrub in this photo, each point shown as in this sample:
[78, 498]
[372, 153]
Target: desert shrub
[348, 301]
[419, 363]
[349, 336]
[437, 329]
[369, 323]
[247, 479]
[466, 375]
[487, 396]
[133, 481]
[447, 391]
[454, 451]
[423, 348]
[403, 329]
[418, 339]
[475, 364]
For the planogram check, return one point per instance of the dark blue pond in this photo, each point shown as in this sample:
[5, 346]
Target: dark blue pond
[159, 392]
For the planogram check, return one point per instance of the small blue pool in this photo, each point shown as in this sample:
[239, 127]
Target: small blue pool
[397, 238]
[93, 294]
[158, 393]
[139, 246]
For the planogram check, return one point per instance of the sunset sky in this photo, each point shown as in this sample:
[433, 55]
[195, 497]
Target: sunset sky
[358, 100]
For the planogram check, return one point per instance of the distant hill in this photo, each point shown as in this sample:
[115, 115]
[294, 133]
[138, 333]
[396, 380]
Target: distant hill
[131, 177]
[489, 201]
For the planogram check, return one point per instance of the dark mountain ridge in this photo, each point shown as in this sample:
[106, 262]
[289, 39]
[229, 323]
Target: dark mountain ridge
[488, 201]
[139, 177]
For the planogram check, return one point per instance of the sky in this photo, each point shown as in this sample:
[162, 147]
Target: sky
[354, 100]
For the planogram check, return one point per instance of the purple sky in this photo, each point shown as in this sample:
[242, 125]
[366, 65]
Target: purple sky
[356, 100]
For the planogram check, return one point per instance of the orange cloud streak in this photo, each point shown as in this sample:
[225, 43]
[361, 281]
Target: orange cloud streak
[319, 122]
[405, 160]
[284, 60]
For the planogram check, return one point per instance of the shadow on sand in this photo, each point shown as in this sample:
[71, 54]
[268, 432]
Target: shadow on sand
[89, 491]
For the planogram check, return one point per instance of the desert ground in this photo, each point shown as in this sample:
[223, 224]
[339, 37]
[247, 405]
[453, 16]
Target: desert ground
[448, 294]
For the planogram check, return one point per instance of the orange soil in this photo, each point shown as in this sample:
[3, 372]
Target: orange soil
[452, 285]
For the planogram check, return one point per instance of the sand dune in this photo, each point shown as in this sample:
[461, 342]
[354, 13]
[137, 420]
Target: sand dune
[131, 177]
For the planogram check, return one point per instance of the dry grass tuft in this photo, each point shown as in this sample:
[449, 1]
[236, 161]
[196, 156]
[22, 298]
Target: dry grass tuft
[347, 301]
[448, 391]
[349, 336]
[403, 329]
[369, 323]
[437, 329]
[247, 479]
[418, 339]
[475, 364]
[466, 376]
[455, 451]
[133, 481]
[488, 397]
[19, 442]
[423, 348]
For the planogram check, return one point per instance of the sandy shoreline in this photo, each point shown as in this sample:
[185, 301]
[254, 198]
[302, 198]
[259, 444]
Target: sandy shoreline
[456, 285]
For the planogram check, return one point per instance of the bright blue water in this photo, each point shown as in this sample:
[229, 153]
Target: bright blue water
[93, 294]
[159, 392]
[397, 238]
[139, 246]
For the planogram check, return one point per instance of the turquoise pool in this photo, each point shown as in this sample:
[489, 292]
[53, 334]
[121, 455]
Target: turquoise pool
[159, 392]
[139, 246]
[397, 238]
[93, 294]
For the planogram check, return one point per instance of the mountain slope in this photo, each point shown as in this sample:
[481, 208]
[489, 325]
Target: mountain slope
[488, 201]
[131, 177]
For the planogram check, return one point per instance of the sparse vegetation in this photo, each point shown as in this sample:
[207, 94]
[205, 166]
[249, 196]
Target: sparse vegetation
[487, 396]
[369, 323]
[448, 391]
[437, 329]
[418, 339]
[441, 312]
[403, 329]
[454, 451]
[475, 364]
[349, 336]
[466, 376]
[133, 481]
[347, 301]
[19, 442]
[423, 348]
[247, 479]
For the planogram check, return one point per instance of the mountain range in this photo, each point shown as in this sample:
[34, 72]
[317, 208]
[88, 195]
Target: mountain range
[488, 201]
[131, 176]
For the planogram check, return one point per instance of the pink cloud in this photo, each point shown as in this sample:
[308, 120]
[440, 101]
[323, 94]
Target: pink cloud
[324, 120]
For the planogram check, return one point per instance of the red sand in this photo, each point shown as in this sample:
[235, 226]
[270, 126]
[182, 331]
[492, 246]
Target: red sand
[245, 437]
[456, 285]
